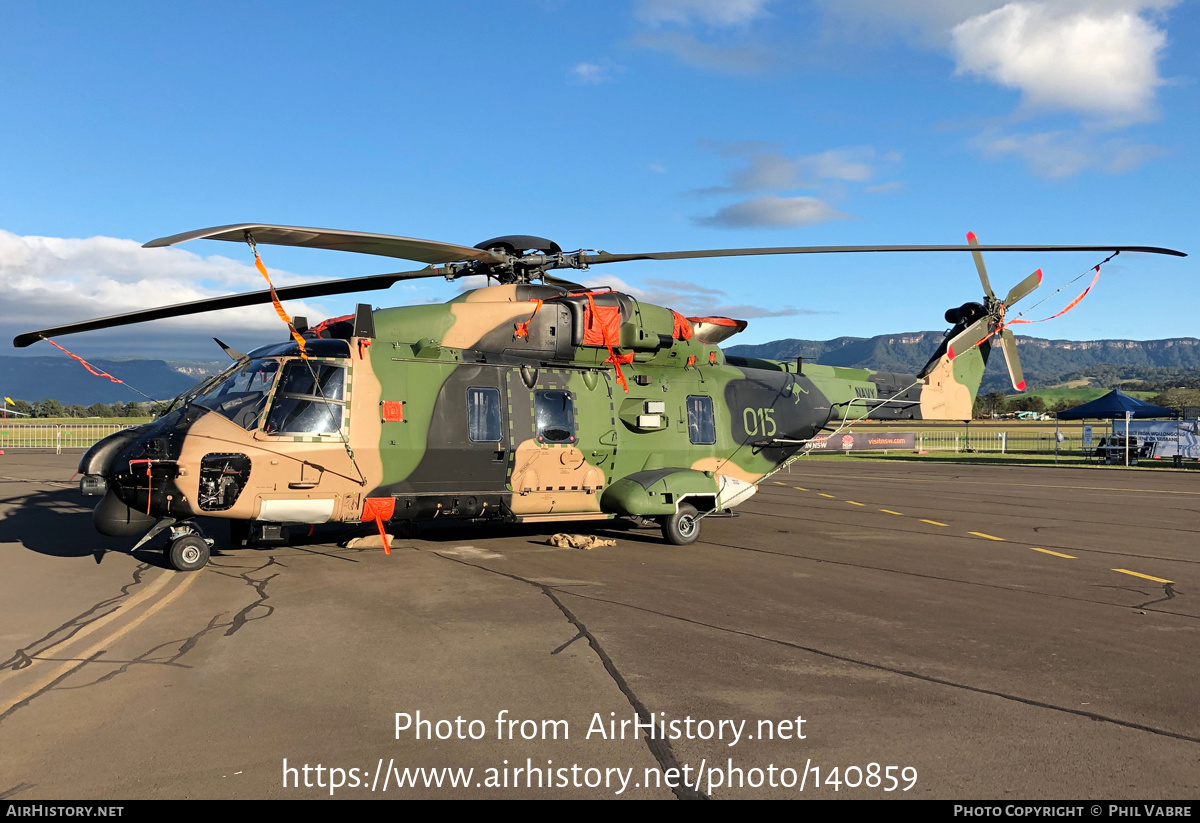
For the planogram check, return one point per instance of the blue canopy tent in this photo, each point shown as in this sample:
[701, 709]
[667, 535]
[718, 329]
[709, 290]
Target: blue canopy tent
[1116, 405]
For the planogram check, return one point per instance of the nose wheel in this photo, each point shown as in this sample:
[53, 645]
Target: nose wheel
[188, 552]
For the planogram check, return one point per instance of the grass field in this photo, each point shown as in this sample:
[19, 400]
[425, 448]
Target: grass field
[60, 432]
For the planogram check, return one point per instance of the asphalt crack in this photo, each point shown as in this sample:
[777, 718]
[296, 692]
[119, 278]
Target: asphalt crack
[898, 671]
[661, 750]
[157, 655]
[23, 657]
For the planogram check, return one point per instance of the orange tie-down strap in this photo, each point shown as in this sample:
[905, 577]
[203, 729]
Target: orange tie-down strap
[380, 509]
[283, 315]
[1005, 324]
[522, 329]
[85, 363]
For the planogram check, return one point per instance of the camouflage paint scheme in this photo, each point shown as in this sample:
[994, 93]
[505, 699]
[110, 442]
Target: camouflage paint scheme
[404, 433]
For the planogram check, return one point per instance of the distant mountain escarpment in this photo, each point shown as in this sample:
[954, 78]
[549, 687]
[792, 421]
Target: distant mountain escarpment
[1045, 361]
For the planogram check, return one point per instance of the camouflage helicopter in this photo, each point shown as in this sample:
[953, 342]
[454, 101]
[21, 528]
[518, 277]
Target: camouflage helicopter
[522, 401]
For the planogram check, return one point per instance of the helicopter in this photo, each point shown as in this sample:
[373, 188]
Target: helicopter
[520, 402]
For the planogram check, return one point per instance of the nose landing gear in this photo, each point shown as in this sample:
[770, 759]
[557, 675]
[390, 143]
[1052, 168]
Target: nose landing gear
[188, 549]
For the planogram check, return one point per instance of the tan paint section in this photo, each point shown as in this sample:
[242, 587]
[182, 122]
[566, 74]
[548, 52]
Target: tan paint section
[943, 398]
[543, 470]
[472, 320]
[725, 466]
[366, 430]
[275, 462]
[493, 294]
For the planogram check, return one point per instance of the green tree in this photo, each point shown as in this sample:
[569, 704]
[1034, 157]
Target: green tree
[99, 410]
[49, 407]
[994, 403]
[133, 409]
[1177, 398]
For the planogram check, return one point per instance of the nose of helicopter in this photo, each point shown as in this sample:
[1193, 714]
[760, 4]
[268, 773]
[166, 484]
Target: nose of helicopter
[119, 469]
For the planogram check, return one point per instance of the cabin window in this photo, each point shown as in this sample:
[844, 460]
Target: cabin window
[555, 412]
[309, 400]
[483, 414]
[702, 427]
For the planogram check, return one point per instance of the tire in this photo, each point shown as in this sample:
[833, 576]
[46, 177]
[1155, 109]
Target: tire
[188, 553]
[683, 527]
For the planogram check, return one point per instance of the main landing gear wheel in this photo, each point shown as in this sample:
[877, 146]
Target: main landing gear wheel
[188, 553]
[683, 527]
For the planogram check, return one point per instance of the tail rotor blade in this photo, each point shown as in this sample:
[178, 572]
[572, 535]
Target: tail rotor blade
[1010, 357]
[987, 286]
[1023, 288]
[968, 337]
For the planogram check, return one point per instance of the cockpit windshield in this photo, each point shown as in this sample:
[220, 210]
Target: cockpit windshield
[242, 395]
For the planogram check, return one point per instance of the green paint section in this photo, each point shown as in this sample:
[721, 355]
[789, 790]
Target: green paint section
[416, 382]
[628, 496]
[968, 369]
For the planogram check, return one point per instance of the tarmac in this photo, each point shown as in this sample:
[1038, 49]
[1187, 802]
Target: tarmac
[862, 630]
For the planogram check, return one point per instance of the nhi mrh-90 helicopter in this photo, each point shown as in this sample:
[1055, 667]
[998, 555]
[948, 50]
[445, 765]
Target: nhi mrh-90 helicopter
[522, 401]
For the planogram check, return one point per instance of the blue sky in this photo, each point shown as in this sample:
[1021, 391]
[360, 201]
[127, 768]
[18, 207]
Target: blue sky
[625, 126]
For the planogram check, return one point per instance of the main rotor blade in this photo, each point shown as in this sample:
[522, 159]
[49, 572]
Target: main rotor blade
[1010, 357]
[371, 282]
[983, 278]
[406, 248]
[968, 337]
[1023, 288]
[606, 257]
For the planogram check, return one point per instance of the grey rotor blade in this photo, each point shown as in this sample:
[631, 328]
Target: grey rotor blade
[983, 278]
[968, 337]
[1010, 357]
[386, 245]
[371, 282]
[593, 258]
[1023, 288]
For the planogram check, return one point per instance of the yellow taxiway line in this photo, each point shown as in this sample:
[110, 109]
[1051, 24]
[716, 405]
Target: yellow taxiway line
[1056, 554]
[149, 591]
[101, 644]
[1143, 576]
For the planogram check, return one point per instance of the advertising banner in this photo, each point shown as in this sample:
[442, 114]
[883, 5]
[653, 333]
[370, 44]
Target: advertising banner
[1170, 437]
[876, 441]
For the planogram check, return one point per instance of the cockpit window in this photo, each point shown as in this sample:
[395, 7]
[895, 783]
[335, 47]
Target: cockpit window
[242, 395]
[309, 400]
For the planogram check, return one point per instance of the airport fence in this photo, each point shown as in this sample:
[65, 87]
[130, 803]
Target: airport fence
[57, 437]
[1000, 442]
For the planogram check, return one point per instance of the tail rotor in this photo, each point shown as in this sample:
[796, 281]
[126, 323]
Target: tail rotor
[992, 322]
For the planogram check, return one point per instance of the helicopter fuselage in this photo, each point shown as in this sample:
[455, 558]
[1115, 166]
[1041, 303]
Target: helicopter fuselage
[503, 403]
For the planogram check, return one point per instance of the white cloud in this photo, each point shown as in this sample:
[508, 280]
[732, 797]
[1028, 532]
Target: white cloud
[773, 212]
[1056, 154]
[593, 74]
[710, 12]
[47, 281]
[691, 299]
[738, 58]
[767, 170]
[1098, 59]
